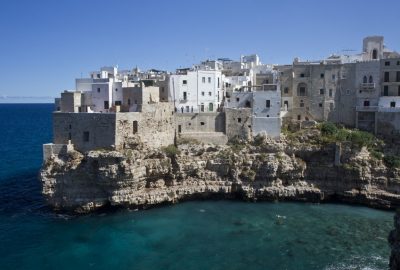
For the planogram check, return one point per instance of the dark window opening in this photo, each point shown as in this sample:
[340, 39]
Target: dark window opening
[365, 80]
[392, 104]
[366, 103]
[98, 90]
[371, 80]
[129, 101]
[302, 75]
[299, 117]
[398, 76]
[184, 82]
[374, 54]
[237, 99]
[386, 79]
[184, 96]
[106, 106]
[387, 63]
[320, 105]
[322, 75]
[398, 90]
[286, 90]
[248, 104]
[162, 89]
[179, 128]
[268, 103]
[321, 91]
[202, 123]
[70, 126]
[116, 89]
[69, 136]
[286, 104]
[86, 136]
[135, 127]
[330, 92]
[239, 120]
[117, 103]
[386, 90]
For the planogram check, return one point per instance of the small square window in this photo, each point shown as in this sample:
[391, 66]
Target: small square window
[202, 93]
[322, 75]
[237, 99]
[184, 82]
[333, 76]
[302, 75]
[320, 105]
[209, 93]
[202, 123]
[116, 89]
[98, 90]
[239, 120]
[387, 63]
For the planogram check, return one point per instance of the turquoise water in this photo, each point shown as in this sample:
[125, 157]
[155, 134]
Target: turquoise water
[192, 235]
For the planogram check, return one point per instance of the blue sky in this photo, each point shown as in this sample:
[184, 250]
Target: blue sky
[45, 45]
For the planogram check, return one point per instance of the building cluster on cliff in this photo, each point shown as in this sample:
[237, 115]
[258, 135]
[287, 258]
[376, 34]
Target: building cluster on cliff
[222, 99]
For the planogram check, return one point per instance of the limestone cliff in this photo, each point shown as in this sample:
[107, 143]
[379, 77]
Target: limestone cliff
[263, 170]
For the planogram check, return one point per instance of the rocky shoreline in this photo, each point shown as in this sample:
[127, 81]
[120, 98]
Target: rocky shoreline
[264, 170]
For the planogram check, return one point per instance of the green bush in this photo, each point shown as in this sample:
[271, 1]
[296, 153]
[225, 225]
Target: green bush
[171, 150]
[362, 138]
[392, 161]
[328, 128]
[376, 154]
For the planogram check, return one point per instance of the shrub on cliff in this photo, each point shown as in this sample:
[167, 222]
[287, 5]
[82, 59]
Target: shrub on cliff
[392, 161]
[171, 150]
[362, 138]
[328, 128]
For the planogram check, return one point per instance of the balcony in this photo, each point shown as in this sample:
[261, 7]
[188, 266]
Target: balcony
[183, 100]
[367, 86]
[367, 108]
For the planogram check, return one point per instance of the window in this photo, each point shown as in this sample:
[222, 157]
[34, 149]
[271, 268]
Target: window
[209, 93]
[365, 80]
[184, 96]
[321, 91]
[322, 75]
[135, 127]
[371, 80]
[69, 136]
[117, 103]
[302, 75]
[106, 106]
[209, 79]
[210, 107]
[268, 103]
[387, 63]
[129, 101]
[218, 83]
[333, 76]
[187, 108]
[398, 63]
[398, 76]
[202, 107]
[366, 103]
[184, 82]
[286, 90]
[203, 80]
[386, 90]
[374, 54]
[299, 117]
[202, 93]
[386, 79]
[330, 92]
[248, 104]
[320, 105]
[70, 126]
[98, 76]
[301, 104]
[98, 90]
[347, 92]
[86, 136]
[162, 89]
[331, 106]
[116, 89]
[237, 99]
[239, 120]
[302, 89]
[202, 123]
[398, 90]
[286, 104]
[392, 104]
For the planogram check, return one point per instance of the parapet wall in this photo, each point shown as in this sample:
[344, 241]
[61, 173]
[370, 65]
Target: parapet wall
[204, 122]
[86, 131]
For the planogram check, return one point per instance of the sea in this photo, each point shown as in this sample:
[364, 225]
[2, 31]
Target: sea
[191, 235]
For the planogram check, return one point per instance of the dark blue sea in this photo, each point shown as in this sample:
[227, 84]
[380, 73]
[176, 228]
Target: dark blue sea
[191, 235]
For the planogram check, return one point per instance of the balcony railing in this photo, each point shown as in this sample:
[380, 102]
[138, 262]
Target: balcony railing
[367, 86]
[367, 108]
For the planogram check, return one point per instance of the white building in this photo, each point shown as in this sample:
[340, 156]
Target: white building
[196, 90]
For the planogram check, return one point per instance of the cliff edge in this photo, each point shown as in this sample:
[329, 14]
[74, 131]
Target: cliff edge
[306, 166]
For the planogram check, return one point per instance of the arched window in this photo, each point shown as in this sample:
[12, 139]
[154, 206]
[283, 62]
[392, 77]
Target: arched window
[302, 89]
[371, 80]
[365, 80]
[374, 54]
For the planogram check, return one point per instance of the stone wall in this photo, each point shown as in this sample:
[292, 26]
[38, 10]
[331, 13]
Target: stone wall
[87, 131]
[155, 126]
[203, 122]
[238, 123]
[388, 124]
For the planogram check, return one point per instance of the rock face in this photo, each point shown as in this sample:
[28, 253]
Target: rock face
[394, 241]
[141, 177]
